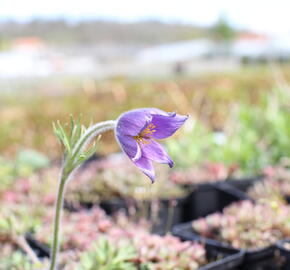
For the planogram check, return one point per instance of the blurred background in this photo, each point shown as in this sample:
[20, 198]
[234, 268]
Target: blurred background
[211, 60]
[225, 63]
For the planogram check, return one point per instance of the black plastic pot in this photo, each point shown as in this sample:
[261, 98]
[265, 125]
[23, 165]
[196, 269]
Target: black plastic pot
[185, 232]
[109, 206]
[41, 250]
[287, 198]
[209, 198]
[113, 206]
[243, 184]
[268, 263]
[284, 254]
[169, 212]
[222, 258]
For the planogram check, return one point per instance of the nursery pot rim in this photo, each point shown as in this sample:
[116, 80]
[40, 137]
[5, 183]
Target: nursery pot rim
[250, 255]
[280, 245]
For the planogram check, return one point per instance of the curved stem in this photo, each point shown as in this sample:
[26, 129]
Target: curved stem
[71, 165]
[58, 209]
[91, 132]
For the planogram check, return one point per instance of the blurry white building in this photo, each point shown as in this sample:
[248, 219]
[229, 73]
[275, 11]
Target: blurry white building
[31, 58]
[187, 57]
[175, 52]
[202, 55]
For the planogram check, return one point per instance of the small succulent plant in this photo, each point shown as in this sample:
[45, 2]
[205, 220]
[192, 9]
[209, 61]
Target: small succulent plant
[151, 252]
[208, 172]
[246, 225]
[19, 219]
[38, 188]
[115, 178]
[108, 256]
[25, 163]
[140, 250]
[92, 224]
[14, 258]
[25, 204]
[19, 214]
[275, 186]
[168, 252]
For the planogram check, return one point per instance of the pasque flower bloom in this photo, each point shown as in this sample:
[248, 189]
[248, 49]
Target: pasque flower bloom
[137, 131]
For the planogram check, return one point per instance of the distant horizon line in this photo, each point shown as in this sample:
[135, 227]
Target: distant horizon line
[72, 19]
[113, 19]
[75, 20]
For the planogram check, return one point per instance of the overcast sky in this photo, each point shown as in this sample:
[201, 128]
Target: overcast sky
[268, 16]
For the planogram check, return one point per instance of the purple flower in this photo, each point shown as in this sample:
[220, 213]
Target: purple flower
[137, 130]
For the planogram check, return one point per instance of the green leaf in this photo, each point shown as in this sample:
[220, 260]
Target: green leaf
[108, 256]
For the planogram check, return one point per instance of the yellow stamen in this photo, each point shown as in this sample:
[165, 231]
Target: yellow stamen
[138, 138]
[146, 133]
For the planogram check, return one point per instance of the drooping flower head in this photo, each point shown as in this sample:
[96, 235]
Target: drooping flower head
[137, 131]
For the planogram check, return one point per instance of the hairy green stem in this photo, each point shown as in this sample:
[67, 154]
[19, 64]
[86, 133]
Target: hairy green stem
[69, 167]
[58, 210]
[91, 132]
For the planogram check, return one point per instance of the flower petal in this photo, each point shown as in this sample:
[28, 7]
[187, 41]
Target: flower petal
[154, 151]
[135, 130]
[129, 146]
[167, 125]
[132, 122]
[145, 165]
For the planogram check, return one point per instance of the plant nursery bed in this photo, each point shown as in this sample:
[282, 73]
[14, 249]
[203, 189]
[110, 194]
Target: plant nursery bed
[204, 199]
[252, 257]
[269, 263]
[220, 258]
[209, 198]
[169, 213]
[258, 188]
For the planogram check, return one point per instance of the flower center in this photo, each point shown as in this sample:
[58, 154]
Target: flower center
[146, 133]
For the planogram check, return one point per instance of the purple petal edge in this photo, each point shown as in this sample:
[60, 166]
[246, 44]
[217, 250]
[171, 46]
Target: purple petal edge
[166, 126]
[145, 165]
[154, 151]
[131, 122]
[129, 146]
